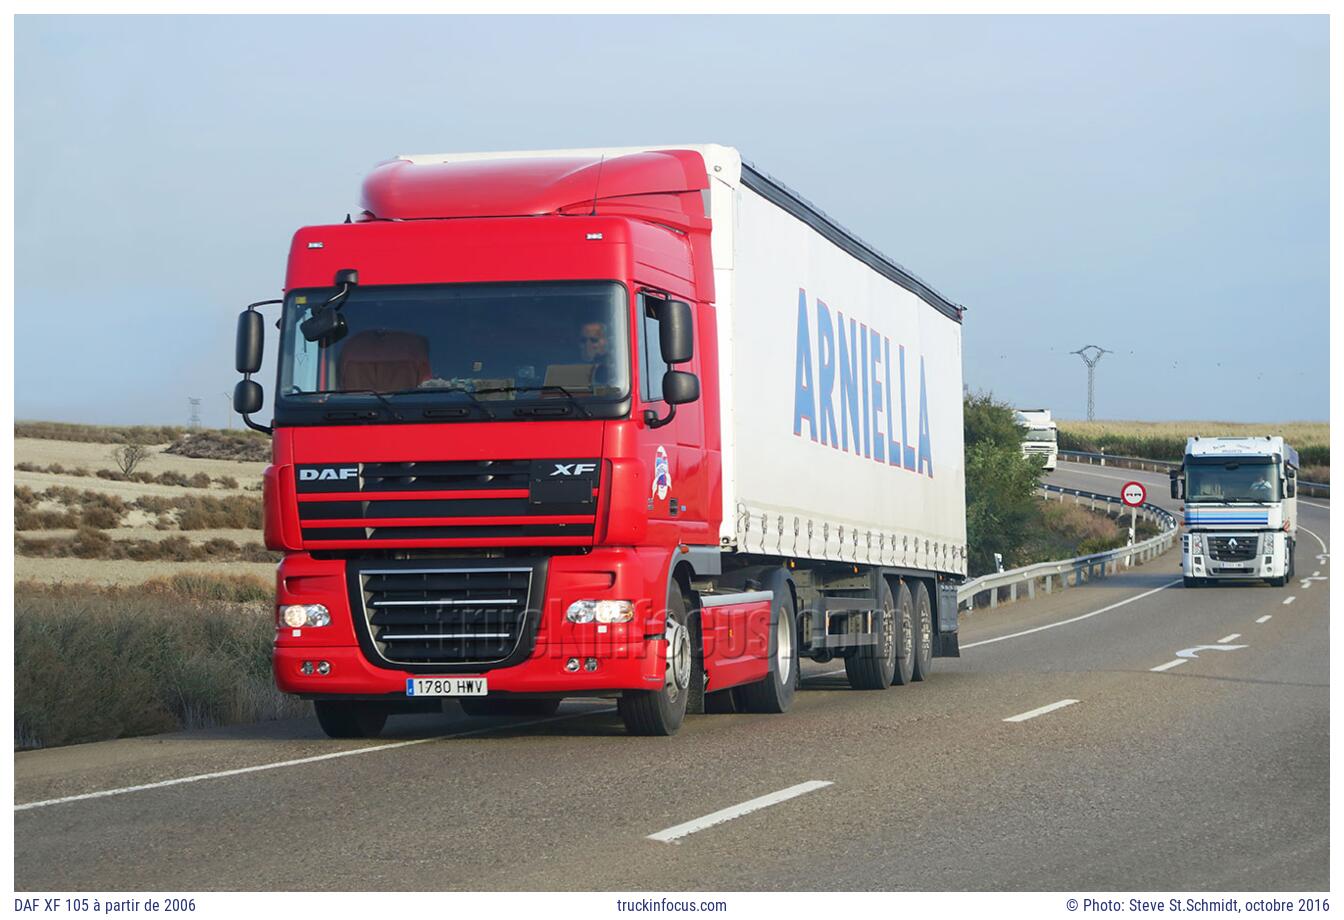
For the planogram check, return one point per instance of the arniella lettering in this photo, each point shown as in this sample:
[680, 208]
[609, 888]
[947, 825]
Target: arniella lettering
[868, 397]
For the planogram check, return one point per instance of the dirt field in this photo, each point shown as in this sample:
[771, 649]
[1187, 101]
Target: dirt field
[72, 454]
[135, 524]
[126, 571]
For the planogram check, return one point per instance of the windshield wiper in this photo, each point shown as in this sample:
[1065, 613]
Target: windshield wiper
[458, 388]
[549, 387]
[374, 393]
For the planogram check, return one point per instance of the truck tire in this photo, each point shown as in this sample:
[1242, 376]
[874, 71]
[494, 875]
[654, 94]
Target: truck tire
[873, 667]
[350, 718]
[481, 707]
[774, 693]
[923, 637]
[1188, 582]
[661, 712]
[1292, 559]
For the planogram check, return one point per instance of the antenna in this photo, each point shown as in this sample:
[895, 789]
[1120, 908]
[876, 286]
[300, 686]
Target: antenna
[1091, 354]
[597, 183]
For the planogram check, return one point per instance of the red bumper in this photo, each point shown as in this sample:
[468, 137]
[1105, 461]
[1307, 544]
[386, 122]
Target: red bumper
[625, 659]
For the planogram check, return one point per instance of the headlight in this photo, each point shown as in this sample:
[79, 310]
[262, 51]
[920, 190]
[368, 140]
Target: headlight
[300, 615]
[1267, 544]
[600, 611]
[1197, 544]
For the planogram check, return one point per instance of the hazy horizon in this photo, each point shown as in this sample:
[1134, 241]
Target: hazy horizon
[1157, 185]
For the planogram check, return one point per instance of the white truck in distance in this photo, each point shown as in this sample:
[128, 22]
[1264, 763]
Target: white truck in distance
[1240, 509]
[1040, 435]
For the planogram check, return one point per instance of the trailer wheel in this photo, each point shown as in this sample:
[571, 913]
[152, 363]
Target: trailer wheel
[481, 707]
[774, 693]
[872, 667]
[350, 719]
[923, 638]
[661, 712]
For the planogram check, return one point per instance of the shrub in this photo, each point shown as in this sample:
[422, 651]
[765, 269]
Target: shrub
[93, 664]
[128, 456]
[102, 434]
[227, 482]
[1001, 485]
[199, 481]
[223, 445]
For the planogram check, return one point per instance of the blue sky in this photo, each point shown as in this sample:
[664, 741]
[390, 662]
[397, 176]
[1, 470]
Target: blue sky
[1157, 185]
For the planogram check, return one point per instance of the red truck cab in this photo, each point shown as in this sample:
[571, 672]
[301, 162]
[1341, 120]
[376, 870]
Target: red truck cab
[472, 376]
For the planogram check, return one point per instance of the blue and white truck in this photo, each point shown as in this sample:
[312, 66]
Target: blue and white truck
[1240, 509]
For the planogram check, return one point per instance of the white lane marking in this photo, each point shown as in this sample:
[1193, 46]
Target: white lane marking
[104, 793]
[1194, 650]
[1170, 664]
[1027, 632]
[1303, 501]
[1265, 618]
[1022, 717]
[1073, 472]
[1325, 549]
[1306, 582]
[1230, 638]
[672, 834]
[1316, 574]
[1289, 600]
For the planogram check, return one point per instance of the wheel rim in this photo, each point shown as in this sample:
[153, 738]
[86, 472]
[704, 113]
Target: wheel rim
[907, 630]
[677, 675]
[926, 636]
[889, 635]
[783, 649]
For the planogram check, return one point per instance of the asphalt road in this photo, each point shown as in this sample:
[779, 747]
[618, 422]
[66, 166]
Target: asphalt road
[1212, 774]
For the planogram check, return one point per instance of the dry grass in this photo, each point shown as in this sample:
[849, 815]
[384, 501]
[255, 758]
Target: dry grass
[98, 434]
[99, 663]
[88, 543]
[1166, 440]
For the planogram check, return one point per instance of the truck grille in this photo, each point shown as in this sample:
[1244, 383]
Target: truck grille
[445, 615]
[448, 503]
[1233, 549]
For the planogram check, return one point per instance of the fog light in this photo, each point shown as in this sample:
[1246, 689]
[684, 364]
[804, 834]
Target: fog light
[572, 664]
[307, 667]
[590, 664]
[602, 611]
[299, 615]
[324, 667]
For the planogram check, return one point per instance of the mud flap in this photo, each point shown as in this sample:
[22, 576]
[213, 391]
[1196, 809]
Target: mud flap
[945, 643]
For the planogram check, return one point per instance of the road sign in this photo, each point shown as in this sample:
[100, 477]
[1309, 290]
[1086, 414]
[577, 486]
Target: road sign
[1133, 494]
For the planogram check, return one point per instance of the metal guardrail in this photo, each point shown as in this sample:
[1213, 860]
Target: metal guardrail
[1082, 568]
[1318, 489]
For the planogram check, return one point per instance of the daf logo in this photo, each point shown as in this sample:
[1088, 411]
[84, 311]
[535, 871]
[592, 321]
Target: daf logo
[330, 473]
[574, 469]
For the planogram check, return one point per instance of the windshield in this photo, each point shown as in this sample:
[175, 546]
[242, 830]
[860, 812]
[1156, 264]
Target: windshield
[1039, 434]
[1232, 481]
[516, 341]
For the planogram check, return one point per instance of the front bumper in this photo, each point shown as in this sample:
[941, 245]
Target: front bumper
[629, 655]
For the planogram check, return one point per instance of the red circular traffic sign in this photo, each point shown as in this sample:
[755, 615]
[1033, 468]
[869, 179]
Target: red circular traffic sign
[1133, 494]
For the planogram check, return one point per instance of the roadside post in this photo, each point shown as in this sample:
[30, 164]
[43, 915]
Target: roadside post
[1134, 495]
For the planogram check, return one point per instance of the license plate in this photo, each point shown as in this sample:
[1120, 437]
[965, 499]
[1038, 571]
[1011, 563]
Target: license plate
[445, 686]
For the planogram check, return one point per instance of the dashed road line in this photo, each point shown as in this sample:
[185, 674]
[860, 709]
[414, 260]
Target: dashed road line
[105, 793]
[1289, 600]
[1266, 618]
[675, 833]
[1230, 638]
[1170, 664]
[1022, 717]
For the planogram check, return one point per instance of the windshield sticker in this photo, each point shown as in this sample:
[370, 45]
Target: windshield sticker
[662, 478]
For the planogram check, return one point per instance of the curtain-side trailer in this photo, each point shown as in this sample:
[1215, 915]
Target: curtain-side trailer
[627, 422]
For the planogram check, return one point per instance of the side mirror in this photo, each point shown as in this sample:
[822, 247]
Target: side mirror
[1292, 487]
[680, 387]
[676, 339]
[251, 338]
[1177, 484]
[247, 397]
